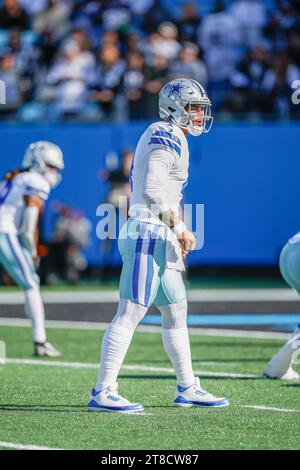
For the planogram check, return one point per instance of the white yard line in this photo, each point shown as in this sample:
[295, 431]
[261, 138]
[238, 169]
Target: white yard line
[17, 298]
[135, 367]
[193, 295]
[80, 325]
[40, 362]
[268, 408]
[13, 445]
[198, 372]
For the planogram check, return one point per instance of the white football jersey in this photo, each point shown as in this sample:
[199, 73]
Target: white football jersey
[161, 159]
[27, 183]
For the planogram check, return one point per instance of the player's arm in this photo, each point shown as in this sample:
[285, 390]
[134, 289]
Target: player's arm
[159, 164]
[29, 231]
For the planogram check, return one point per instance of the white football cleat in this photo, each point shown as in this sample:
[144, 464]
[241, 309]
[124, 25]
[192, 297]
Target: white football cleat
[291, 374]
[196, 396]
[280, 366]
[109, 400]
[46, 349]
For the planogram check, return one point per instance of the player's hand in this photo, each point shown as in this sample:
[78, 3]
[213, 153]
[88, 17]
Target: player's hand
[187, 242]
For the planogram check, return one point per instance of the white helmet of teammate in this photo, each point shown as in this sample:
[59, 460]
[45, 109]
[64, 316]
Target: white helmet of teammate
[45, 158]
[176, 100]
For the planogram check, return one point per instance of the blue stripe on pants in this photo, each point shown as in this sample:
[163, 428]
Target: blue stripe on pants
[137, 263]
[150, 270]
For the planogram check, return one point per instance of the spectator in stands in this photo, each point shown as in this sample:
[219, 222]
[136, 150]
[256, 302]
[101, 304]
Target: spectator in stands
[33, 7]
[189, 22]
[148, 35]
[155, 16]
[70, 76]
[294, 42]
[115, 15]
[219, 34]
[255, 66]
[113, 38]
[148, 46]
[140, 8]
[48, 49]
[27, 62]
[10, 76]
[107, 79]
[81, 38]
[279, 24]
[134, 40]
[277, 87]
[156, 75]
[12, 15]
[162, 42]
[251, 15]
[66, 260]
[110, 38]
[119, 179]
[117, 174]
[168, 45]
[133, 83]
[53, 20]
[247, 95]
[189, 65]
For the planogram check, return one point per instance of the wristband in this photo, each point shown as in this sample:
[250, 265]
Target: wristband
[179, 229]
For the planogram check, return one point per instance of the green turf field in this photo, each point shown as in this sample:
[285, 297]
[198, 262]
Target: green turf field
[46, 405]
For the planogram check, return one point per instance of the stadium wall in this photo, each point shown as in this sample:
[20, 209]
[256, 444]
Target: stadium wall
[246, 175]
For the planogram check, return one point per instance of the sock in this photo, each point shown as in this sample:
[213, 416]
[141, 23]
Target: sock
[116, 341]
[177, 345]
[115, 344]
[34, 309]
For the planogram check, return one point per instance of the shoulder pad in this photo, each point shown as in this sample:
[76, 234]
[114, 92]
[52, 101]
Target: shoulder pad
[36, 185]
[165, 135]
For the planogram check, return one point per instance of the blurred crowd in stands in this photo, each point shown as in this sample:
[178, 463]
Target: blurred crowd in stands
[94, 60]
[62, 258]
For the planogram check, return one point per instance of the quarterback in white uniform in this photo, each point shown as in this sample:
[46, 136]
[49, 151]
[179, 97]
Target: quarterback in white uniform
[153, 243]
[22, 195]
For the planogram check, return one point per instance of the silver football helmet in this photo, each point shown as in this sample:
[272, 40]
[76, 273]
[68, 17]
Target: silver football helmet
[44, 157]
[176, 100]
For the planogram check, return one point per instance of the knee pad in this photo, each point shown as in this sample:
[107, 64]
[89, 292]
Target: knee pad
[129, 314]
[174, 315]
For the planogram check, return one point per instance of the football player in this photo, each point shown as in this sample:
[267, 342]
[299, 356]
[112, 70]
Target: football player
[22, 196]
[153, 243]
[280, 366]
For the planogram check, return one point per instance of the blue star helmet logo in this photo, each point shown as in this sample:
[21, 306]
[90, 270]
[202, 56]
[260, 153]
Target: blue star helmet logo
[175, 89]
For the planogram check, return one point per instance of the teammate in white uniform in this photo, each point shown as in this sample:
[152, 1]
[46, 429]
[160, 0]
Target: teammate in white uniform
[22, 196]
[152, 244]
[281, 364]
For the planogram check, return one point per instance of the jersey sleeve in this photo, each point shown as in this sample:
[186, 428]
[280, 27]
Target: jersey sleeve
[162, 137]
[36, 185]
[159, 163]
[164, 148]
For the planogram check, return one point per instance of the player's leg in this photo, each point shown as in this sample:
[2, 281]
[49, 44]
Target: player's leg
[280, 366]
[138, 286]
[171, 301]
[18, 263]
